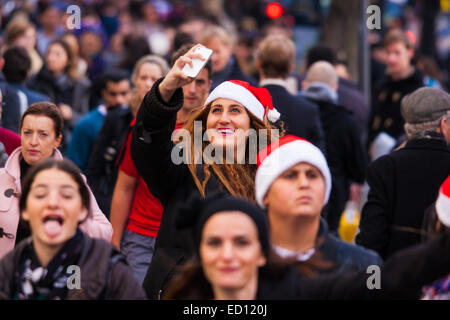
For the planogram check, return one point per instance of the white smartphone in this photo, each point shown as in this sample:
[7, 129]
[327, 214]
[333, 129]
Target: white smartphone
[197, 63]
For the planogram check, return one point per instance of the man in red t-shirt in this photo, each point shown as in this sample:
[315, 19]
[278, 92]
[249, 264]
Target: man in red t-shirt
[135, 213]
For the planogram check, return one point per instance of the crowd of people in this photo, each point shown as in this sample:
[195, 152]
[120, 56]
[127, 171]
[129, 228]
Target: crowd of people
[230, 185]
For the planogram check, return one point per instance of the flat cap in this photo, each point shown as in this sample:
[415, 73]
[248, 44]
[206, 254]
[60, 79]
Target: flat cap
[425, 105]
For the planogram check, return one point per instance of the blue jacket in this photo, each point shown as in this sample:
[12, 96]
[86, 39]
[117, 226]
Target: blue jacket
[84, 136]
[344, 255]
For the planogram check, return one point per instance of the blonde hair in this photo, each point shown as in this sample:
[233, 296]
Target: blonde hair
[276, 54]
[217, 32]
[153, 59]
[160, 62]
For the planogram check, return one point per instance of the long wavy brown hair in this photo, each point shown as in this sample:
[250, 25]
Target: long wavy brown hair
[237, 179]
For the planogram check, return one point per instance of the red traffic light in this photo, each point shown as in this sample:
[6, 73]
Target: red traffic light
[274, 10]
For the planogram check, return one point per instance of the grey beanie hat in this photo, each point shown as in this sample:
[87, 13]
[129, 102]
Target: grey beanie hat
[425, 105]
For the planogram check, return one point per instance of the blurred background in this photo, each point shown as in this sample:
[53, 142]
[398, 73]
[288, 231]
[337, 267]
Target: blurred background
[118, 32]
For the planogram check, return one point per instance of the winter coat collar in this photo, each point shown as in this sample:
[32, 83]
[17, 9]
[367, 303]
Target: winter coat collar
[12, 166]
[321, 92]
[427, 143]
[276, 82]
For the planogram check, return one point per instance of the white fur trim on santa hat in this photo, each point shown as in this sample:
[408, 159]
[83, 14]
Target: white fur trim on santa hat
[273, 115]
[284, 157]
[443, 208]
[232, 91]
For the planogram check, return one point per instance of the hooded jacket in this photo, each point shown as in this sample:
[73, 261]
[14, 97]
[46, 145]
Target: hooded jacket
[96, 225]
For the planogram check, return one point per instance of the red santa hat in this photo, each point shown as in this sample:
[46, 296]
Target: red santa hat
[256, 100]
[443, 203]
[283, 154]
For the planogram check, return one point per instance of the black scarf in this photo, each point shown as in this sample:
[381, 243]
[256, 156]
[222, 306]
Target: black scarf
[34, 282]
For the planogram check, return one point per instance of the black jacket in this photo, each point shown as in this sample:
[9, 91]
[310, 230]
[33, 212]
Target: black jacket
[102, 171]
[232, 71]
[401, 277]
[301, 117]
[10, 117]
[63, 90]
[344, 256]
[402, 185]
[345, 155]
[386, 100]
[104, 273]
[351, 99]
[172, 184]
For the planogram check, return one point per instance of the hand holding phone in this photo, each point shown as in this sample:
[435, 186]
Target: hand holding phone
[197, 63]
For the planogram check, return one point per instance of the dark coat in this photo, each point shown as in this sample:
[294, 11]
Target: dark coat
[351, 99]
[301, 117]
[102, 171]
[397, 279]
[344, 256]
[104, 273]
[10, 118]
[401, 277]
[345, 156]
[232, 71]
[64, 90]
[402, 185]
[172, 184]
[386, 100]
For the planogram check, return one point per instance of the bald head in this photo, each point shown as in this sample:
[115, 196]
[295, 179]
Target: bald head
[324, 72]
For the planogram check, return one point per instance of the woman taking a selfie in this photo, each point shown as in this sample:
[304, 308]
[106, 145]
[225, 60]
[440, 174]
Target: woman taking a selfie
[229, 112]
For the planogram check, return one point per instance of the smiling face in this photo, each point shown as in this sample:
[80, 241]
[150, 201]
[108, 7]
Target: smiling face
[53, 208]
[230, 252]
[38, 138]
[298, 191]
[227, 123]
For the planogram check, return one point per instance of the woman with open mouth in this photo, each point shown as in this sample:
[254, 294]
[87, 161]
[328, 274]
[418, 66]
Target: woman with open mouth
[59, 261]
[41, 133]
[229, 113]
